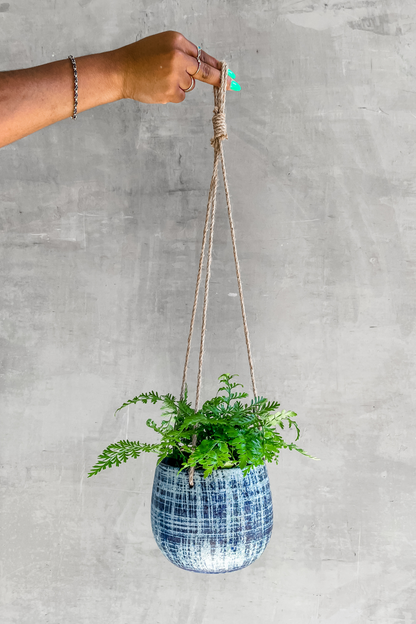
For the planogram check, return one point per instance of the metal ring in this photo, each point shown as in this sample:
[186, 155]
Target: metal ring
[198, 58]
[192, 85]
[199, 67]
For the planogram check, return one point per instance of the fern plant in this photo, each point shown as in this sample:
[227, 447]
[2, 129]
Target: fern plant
[229, 433]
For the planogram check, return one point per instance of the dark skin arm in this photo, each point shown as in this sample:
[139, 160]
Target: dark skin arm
[154, 70]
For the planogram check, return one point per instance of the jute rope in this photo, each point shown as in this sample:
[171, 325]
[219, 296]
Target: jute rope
[220, 134]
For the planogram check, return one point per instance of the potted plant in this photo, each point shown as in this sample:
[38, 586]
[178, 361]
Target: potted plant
[224, 522]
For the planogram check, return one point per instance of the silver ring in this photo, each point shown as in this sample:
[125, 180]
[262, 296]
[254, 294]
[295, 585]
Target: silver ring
[192, 85]
[198, 58]
[199, 66]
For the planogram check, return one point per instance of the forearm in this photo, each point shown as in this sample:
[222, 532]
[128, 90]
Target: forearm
[33, 98]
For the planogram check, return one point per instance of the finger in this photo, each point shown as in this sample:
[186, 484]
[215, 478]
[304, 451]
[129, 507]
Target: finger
[210, 70]
[191, 49]
[206, 73]
[191, 86]
[210, 60]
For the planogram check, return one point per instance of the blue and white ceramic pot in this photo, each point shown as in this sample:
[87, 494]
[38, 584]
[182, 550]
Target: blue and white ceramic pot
[220, 525]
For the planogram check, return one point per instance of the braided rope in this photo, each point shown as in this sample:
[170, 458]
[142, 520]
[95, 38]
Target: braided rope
[212, 192]
[220, 134]
[237, 269]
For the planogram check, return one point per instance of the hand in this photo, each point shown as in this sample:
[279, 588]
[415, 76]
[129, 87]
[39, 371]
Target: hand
[157, 69]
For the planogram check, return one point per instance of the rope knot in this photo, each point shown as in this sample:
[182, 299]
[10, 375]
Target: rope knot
[220, 128]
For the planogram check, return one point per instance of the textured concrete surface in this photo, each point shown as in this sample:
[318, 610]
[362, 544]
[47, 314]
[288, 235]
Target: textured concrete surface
[101, 227]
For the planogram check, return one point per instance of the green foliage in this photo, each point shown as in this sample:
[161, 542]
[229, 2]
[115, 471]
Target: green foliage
[229, 433]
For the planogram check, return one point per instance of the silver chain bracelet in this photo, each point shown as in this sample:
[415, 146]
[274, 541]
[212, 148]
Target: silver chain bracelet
[74, 67]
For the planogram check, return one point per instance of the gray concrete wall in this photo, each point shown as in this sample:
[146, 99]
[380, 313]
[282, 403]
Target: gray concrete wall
[101, 227]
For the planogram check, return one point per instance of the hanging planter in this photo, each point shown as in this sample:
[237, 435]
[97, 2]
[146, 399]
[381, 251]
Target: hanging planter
[222, 524]
[211, 506]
